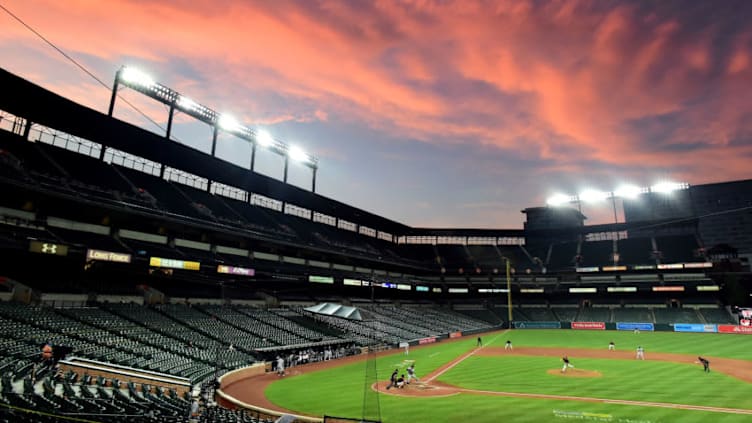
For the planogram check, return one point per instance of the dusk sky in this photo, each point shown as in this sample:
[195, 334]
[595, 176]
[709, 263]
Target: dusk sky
[431, 113]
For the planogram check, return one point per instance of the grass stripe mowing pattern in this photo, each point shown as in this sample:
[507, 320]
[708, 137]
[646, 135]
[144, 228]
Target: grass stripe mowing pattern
[711, 344]
[622, 379]
[338, 391]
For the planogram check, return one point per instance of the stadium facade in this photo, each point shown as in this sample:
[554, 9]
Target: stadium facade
[723, 212]
[136, 252]
[75, 169]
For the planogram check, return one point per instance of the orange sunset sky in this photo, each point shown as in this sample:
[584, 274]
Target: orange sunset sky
[431, 113]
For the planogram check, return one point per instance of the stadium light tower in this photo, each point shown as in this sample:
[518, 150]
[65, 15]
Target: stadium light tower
[624, 191]
[593, 196]
[628, 191]
[558, 200]
[142, 82]
[668, 187]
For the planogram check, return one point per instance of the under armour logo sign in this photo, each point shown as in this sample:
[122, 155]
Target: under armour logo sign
[49, 248]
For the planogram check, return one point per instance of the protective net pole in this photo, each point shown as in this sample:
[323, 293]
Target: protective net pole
[371, 405]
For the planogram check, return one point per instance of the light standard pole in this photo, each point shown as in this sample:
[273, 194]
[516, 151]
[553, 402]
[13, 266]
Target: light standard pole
[616, 219]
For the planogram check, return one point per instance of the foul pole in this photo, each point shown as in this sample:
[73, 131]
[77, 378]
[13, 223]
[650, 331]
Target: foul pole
[509, 294]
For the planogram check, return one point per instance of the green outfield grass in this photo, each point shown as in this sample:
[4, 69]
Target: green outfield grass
[711, 344]
[339, 391]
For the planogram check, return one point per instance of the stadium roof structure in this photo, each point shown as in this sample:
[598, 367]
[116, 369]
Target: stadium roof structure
[38, 105]
[336, 310]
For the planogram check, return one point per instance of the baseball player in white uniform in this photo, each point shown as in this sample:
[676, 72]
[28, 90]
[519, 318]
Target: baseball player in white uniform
[640, 353]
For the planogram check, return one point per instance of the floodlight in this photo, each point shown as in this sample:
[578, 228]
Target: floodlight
[666, 187]
[228, 123]
[297, 154]
[264, 138]
[592, 196]
[186, 103]
[628, 191]
[558, 200]
[136, 77]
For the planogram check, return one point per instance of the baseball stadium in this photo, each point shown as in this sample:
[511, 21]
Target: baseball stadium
[164, 284]
[169, 254]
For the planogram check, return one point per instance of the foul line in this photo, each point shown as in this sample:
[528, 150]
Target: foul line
[611, 401]
[462, 358]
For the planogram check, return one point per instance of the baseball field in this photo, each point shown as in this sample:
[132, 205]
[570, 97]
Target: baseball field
[461, 382]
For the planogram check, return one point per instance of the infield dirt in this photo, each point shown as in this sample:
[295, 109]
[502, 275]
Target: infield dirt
[251, 390]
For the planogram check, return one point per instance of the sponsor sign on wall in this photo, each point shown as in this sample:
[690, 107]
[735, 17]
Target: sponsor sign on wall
[635, 326]
[694, 327]
[232, 270]
[174, 264]
[614, 268]
[48, 248]
[745, 330]
[668, 289]
[589, 325]
[582, 290]
[320, 279]
[537, 325]
[455, 334]
[430, 340]
[101, 255]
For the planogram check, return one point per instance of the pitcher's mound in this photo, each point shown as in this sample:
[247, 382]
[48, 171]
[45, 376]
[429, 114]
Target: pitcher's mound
[574, 373]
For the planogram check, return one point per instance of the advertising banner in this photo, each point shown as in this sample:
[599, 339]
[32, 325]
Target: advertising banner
[102, 255]
[694, 327]
[537, 325]
[589, 325]
[174, 264]
[430, 340]
[455, 334]
[635, 326]
[48, 248]
[745, 330]
[232, 270]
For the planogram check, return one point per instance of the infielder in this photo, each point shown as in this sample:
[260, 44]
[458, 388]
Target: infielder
[611, 346]
[640, 353]
[508, 345]
[705, 364]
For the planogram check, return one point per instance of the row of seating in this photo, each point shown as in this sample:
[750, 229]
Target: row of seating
[84, 176]
[176, 339]
[384, 323]
[55, 397]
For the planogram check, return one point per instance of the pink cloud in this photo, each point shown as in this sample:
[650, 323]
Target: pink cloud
[562, 77]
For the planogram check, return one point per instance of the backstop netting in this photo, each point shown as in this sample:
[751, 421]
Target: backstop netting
[371, 406]
[371, 410]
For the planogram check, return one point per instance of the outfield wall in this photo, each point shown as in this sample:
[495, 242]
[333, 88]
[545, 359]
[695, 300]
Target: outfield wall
[451, 335]
[639, 326]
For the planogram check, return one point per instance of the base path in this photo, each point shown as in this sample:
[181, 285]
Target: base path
[251, 390]
[739, 369]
